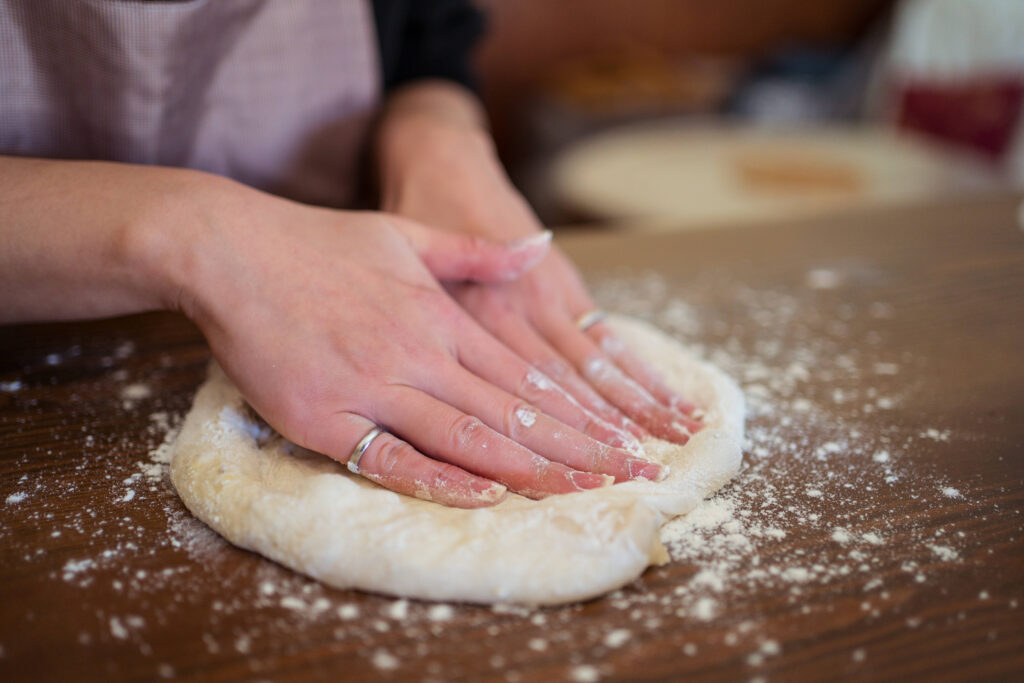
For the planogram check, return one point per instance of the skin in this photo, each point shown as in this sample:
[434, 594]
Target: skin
[460, 342]
[438, 166]
[328, 321]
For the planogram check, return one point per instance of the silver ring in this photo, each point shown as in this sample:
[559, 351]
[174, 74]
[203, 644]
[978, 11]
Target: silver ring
[589, 319]
[357, 452]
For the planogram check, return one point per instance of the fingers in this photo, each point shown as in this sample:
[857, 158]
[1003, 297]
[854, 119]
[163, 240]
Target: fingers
[542, 434]
[650, 380]
[556, 376]
[620, 389]
[504, 368]
[452, 256]
[397, 466]
[450, 434]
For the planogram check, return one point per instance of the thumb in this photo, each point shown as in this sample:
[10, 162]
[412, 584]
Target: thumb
[452, 256]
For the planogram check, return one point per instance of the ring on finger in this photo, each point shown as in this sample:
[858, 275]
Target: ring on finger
[589, 319]
[357, 452]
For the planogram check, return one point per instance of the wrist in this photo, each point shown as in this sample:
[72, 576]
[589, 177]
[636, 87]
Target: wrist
[428, 128]
[170, 240]
[437, 164]
[449, 177]
[413, 147]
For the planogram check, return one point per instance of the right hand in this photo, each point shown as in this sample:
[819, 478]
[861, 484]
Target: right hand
[330, 322]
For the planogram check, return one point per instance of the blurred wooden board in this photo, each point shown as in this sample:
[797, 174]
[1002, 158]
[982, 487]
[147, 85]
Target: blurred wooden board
[97, 583]
[674, 174]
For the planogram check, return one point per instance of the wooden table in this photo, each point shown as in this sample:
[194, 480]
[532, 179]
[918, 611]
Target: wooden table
[876, 531]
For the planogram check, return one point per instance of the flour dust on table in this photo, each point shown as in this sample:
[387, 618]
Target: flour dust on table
[306, 511]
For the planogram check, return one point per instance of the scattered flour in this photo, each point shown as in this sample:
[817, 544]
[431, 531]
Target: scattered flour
[398, 610]
[440, 612]
[131, 394]
[384, 660]
[584, 673]
[799, 446]
[803, 499]
[944, 552]
[293, 603]
[117, 629]
[822, 278]
[704, 609]
[840, 535]
[935, 434]
[617, 638]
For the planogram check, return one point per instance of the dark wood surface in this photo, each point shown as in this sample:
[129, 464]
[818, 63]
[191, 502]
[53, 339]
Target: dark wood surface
[883, 355]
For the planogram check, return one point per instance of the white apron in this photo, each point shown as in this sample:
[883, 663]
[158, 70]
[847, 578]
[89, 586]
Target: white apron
[278, 94]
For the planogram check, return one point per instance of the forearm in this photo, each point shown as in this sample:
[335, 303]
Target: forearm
[95, 239]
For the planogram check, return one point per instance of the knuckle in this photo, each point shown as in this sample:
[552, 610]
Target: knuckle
[387, 460]
[518, 416]
[464, 433]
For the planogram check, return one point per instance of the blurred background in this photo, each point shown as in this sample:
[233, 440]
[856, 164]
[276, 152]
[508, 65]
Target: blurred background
[657, 114]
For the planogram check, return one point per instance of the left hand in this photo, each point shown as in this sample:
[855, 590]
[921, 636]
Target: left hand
[447, 175]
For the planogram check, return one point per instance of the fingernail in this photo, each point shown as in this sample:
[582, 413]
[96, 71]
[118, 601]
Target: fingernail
[490, 492]
[698, 414]
[585, 481]
[531, 241]
[644, 469]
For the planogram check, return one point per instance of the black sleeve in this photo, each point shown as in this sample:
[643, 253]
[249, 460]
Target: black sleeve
[427, 39]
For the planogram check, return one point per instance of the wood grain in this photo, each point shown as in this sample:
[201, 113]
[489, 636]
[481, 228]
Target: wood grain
[96, 586]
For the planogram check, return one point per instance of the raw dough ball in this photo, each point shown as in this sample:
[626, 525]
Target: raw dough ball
[309, 513]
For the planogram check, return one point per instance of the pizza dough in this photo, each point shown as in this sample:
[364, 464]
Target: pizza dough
[309, 513]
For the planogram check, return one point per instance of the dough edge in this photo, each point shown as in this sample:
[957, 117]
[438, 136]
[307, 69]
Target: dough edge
[308, 513]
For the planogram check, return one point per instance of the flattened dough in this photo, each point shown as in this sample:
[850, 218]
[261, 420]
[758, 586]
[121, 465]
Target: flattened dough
[307, 512]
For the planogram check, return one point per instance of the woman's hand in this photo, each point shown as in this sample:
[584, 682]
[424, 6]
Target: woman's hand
[331, 322]
[438, 168]
[328, 321]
